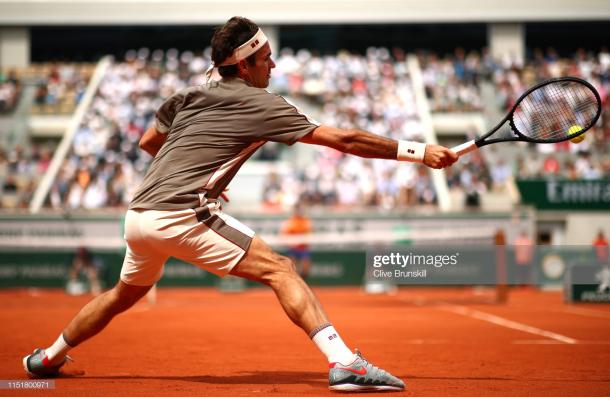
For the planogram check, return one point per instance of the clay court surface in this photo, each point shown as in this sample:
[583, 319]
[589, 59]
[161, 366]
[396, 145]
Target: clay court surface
[200, 342]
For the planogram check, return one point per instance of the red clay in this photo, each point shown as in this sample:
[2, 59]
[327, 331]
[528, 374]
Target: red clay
[199, 342]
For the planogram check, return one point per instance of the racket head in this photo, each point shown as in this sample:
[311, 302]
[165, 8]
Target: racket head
[555, 110]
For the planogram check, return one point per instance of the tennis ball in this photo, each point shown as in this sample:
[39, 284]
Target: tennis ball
[575, 129]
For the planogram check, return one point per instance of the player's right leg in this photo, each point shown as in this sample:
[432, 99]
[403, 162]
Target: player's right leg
[142, 268]
[348, 372]
[91, 319]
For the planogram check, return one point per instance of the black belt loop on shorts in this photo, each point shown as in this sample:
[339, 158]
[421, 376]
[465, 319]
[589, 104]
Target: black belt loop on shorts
[203, 213]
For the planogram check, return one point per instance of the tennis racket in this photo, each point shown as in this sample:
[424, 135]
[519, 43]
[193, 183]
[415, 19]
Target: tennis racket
[553, 111]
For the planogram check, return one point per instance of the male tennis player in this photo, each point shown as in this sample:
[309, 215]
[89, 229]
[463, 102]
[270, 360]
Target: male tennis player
[201, 137]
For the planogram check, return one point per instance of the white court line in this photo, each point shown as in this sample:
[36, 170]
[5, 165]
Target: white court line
[490, 318]
[585, 312]
[426, 342]
[536, 342]
[554, 342]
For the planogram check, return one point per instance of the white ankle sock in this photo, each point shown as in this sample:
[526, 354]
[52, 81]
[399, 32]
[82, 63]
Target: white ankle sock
[330, 343]
[58, 350]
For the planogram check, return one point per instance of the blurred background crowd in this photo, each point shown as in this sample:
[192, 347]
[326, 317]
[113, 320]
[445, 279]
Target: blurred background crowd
[372, 92]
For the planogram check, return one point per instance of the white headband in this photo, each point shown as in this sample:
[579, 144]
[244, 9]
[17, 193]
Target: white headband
[246, 49]
[242, 52]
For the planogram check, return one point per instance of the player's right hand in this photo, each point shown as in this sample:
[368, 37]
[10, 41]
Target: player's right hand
[438, 157]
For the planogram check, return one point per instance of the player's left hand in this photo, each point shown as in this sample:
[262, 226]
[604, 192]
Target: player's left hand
[438, 157]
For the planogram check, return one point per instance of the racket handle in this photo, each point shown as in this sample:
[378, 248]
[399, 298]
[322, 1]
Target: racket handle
[465, 148]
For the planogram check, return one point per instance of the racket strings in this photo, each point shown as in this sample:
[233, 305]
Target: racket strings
[556, 111]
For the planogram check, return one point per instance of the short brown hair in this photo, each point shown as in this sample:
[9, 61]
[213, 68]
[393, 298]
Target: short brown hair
[227, 38]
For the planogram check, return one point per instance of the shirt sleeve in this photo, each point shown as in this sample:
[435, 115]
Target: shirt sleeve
[166, 113]
[283, 122]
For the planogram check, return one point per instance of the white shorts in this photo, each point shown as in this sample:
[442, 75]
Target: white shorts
[215, 242]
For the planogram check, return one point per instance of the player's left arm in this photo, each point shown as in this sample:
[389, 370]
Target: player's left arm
[152, 140]
[155, 136]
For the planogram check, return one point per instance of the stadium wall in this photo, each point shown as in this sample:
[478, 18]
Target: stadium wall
[184, 12]
[583, 228]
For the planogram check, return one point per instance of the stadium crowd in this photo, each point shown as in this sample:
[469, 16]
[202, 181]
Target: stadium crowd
[105, 164]
[589, 159]
[371, 92]
[452, 81]
[60, 87]
[20, 172]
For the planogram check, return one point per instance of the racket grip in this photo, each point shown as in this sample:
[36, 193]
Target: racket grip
[464, 148]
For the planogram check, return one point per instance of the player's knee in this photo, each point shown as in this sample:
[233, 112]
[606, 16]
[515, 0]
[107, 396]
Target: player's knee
[124, 296]
[284, 269]
[288, 267]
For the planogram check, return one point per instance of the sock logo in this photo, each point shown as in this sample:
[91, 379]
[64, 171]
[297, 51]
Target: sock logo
[333, 336]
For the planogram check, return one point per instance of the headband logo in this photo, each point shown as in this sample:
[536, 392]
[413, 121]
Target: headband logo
[253, 45]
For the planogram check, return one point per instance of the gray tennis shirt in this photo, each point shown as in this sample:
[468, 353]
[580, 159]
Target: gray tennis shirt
[212, 130]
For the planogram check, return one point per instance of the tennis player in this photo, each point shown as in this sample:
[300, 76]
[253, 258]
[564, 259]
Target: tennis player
[201, 137]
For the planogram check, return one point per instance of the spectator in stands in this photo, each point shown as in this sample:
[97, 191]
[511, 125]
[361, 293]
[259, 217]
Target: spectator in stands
[551, 166]
[299, 225]
[600, 246]
[20, 172]
[451, 83]
[272, 191]
[473, 190]
[10, 91]
[500, 174]
[524, 255]
[61, 87]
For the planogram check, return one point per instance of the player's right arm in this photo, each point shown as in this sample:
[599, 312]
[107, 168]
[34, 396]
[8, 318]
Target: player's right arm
[365, 144]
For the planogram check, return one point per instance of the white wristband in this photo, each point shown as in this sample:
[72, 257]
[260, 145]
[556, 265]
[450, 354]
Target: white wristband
[411, 151]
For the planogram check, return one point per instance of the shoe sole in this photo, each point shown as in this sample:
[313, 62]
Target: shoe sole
[350, 387]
